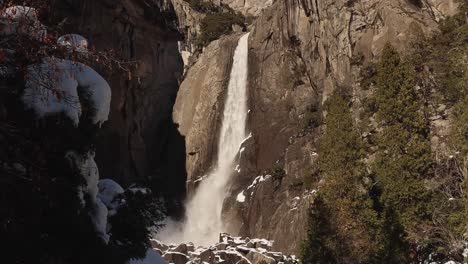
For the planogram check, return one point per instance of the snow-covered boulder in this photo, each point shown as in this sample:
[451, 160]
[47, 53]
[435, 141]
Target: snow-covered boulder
[74, 42]
[52, 87]
[100, 194]
[89, 171]
[109, 192]
[231, 250]
[22, 20]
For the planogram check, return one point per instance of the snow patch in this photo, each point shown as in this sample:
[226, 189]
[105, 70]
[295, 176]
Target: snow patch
[74, 42]
[52, 88]
[257, 180]
[241, 197]
[99, 218]
[246, 139]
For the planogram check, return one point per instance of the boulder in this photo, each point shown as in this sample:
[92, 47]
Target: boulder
[182, 248]
[176, 258]
[158, 245]
[257, 257]
[207, 256]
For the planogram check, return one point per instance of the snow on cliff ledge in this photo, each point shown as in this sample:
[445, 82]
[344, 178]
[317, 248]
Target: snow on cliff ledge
[52, 87]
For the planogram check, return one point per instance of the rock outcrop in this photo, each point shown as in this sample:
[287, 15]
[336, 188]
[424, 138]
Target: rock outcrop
[248, 7]
[200, 103]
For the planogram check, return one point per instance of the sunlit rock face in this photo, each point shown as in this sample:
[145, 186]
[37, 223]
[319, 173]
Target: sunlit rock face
[299, 53]
[248, 7]
[203, 220]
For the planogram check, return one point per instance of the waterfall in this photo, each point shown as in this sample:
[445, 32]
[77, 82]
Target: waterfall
[203, 212]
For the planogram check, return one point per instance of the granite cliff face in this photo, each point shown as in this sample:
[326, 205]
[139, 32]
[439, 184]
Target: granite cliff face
[140, 142]
[300, 52]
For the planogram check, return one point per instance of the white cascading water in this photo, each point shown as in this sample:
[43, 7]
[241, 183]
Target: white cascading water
[203, 212]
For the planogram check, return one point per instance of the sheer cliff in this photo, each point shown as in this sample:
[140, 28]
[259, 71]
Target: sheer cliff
[140, 142]
[300, 52]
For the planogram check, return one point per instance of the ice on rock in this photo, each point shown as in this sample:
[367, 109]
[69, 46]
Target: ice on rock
[52, 87]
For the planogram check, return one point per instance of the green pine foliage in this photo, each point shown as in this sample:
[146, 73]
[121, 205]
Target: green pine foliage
[214, 25]
[344, 227]
[403, 161]
[448, 56]
[218, 20]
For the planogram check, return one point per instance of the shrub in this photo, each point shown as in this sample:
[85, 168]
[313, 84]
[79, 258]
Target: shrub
[134, 224]
[214, 25]
[203, 6]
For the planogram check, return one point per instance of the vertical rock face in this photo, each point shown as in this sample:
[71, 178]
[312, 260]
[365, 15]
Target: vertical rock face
[200, 103]
[139, 141]
[189, 22]
[300, 51]
[248, 7]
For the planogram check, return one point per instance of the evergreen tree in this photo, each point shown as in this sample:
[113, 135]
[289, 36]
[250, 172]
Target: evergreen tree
[344, 227]
[403, 161]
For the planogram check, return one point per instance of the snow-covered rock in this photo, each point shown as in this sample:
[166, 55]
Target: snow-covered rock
[240, 197]
[89, 171]
[99, 216]
[101, 195]
[109, 191]
[22, 20]
[230, 250]
[52, 88]
[74, 42]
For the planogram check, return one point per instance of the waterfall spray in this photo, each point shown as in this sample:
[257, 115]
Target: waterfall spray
[203, 212]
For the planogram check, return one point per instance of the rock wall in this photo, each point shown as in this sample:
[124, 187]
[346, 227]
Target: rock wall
[140, 142]
[200, 103]
[300, 51]
[247, 7]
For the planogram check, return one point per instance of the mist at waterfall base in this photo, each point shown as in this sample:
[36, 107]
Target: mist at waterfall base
[203, 222]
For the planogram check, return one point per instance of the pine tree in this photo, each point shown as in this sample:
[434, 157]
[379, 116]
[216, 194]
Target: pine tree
[348, 226]
[403, 161]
